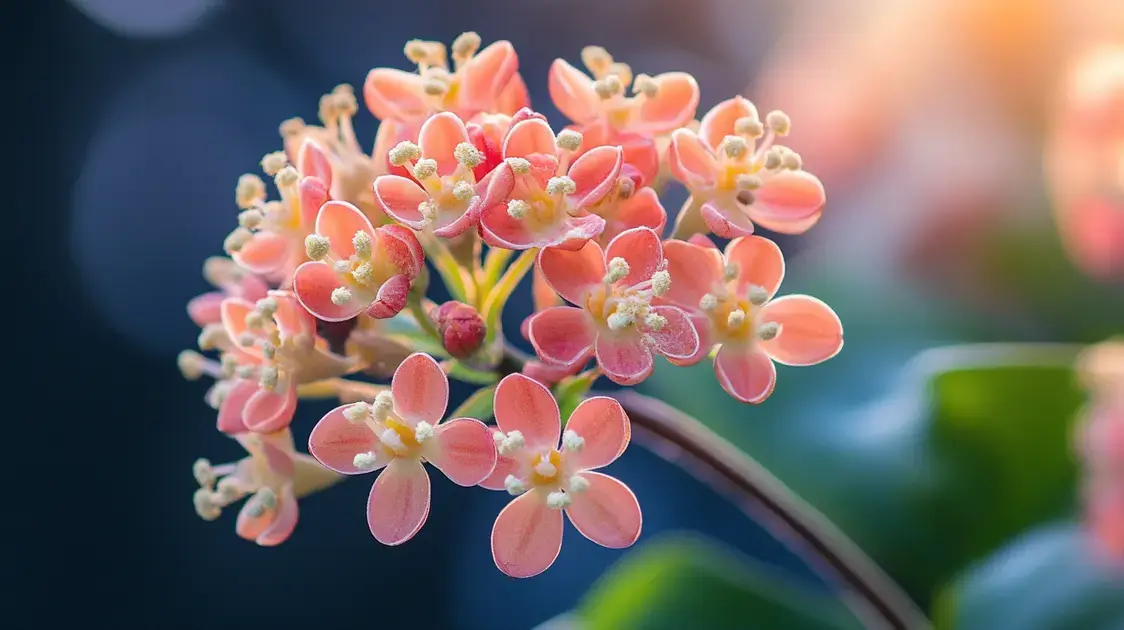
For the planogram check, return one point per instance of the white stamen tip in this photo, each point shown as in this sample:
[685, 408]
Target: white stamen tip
[619, 321]
[517, 208]
[211, 336]
[519, 166]
[561, 186]
[730, 272]
[364, 461]
[646, 85]
[250, 191]
[404, 152]
[266, 306]
[558, 500]
[245, 372]
[618, 270]
[425, 168]
[423, 431]
[498, 437]
[757, 295]
[272, 163]
[204, 507]
[463, 191]
[391, 438]
[655, 322]
[203, 473]
[191, 364]
[661, 283]
[734, 146]
[364, 274]
[545, 467]
[269, 377]
[268, 498]
[384, 402]
[511, 443]
[357, 412]
[342, 266]
[247, 339]
[748, 182]
[708, 302]
[779, 122]
[768, 331]
[736, 318]
[428, 210]
[362, 244]
[569, 140]
[316, 246]
[578, 484]
[236, 240]
[514, 485]
[468, 155]
[571, 441]
[250, 219]
[341, 296]
[773, 159]
[749, 126]
[254, 320]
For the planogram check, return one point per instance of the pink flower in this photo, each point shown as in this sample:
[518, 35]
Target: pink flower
[730, 299]
[641, 208]
[735, 183]
[448, 199]
[538, 198]
[616, 320]
[231, 281]
[553, 472]
[399, 431]
[640, 154]
[356, 268]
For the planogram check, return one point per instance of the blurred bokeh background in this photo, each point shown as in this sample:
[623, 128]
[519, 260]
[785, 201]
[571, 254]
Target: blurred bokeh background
[973, 154]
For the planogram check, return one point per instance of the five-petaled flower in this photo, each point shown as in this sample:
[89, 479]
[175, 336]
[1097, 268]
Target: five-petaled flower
[398, 431]
[730, 298]
[553, 472]
[231, 281]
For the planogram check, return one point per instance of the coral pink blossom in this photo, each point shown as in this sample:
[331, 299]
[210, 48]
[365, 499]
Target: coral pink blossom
[552, 472]
[356, 268]
[397, 432]
[730, 299]
[640, 154]
[735, 182]
[486, 132]
[642, 208]
[231, 281]
[615, 319]
[542, 197]
[444, 195]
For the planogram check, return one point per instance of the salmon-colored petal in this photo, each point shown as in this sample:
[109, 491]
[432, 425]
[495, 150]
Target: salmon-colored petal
[673, 106]
[746, 373]
[624, 357]
[268, 411]
[513, 97]
[726, 220]
[542, 293]
[254, 518]
[759, 262]
[400, 247]
[642, 209]
[399, 502]
[527, 536]
[529, 137]
[548, 373]
[312, 194]
[313, 162]
[810, 331]
[500, 229]
[504, 466]
[465, 451]
[206, 308]
[291, 318]
[719, 122]
[525, 405]
[641, 158]
[702, 240]
[284, 520]
[572, 93]
[572, 273]
[789, 202]
[232, 313]
[677, 339]
[694, 270]
[420, 389]
[335, 441]
[573, 233]
[439, 136]
[264, 253]
[450, 225]
[603, 424]
[395, 95]
[704, 328]
[277, 449]
[339, 222]
[595, 173]
[690, 161]
[562, 335]
[230, 411]
[486, 75]
[391, 298]
[606, 512]
[313, 283]
[641, 248]
[399, 198]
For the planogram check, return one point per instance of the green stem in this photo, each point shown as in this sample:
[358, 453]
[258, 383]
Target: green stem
[689, 221]
[494, 262]
[498, 296]
[447, 266]
[422, 317]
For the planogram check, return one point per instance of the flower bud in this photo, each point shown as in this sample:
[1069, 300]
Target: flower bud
[461, 327]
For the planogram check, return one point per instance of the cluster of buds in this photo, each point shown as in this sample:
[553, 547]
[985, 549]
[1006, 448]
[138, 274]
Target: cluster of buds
[326, 288]
[1100, 444]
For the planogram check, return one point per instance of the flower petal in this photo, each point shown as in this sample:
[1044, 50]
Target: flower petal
[673, 106]
[206, 308]
[254, 518]
[719, 122]
[527, 536]
[595, 173]
[574, 232]
[486, 75]
[264, 253]
[542, 294]
[623, 356]
[695, 271]
[313, 283]
[678, 338]
[313, 194]
[525, 405]
[746, 373]
[704, 329]
[504, 466]
[313, 162]
[399, 198]
[639, 247]
[572, 93]
[573, 273]
[607, 512]
[420, 389]
[339, 222]
[603, 424]
[513, 97]
[395, 95]
[726, 220]
[233, 312]
[400, 247]
[291, 318]
[399, 502]
[759, 262]
[465, 451]
[230, 411]
[450, 224]
[500, 229]
[642, 209]
[789, 202]
[690, 161]
[335, 441]
[528, 137]
[439, 136]
[284, 519]
[391, 298]
[810, 331]
[562, 335]
[267, 411]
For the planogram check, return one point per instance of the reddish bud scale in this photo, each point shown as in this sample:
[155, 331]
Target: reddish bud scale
[461, 327]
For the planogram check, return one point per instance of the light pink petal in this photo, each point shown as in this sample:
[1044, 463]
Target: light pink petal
[504, 466]
[642, 209]
[313, 283]
[399, 502]
[603, 424]
[641, 249]
[704, 327]
[719, 122]
[250, 527]
[542, 293]
[607, 512]
[572, 93]
[395, 95]
[486, 75]
[641, 158]
[335, 441]
[264, 253]
[574, 232]
[573, 273]
[268, 411]
[789, 202]
[595, 173]
[702, 240]
[339, 222]
[284, 520]
[623, 356]
[400, 247]
[465, 451]
[206, 309]
[233, 312]
[312, 194]
[230, 411]
[525, 405]
[528, 137]
[513, 97]
[527, 536]
[810, 331]
[399, 198]
[391, 298]
[759, 262]
[450, 225]
[500, 229]
[562, 335]
[277, 449]
[313, 162]
[548, 374]
[673, 106]
[695, 271]
[746, 373]
[439, 136]
[291, 318]
[726, 220]
[691, 162]
[420, 389]
[678, 338]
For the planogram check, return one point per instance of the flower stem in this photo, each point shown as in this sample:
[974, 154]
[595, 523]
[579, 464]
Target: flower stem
[417, 310]
[494, 261]
[447, 266]
[498, 296]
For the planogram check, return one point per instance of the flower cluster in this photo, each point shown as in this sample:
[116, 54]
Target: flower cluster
[467, 183]
[1100, 443]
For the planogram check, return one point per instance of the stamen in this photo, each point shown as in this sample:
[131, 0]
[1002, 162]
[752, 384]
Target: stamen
[597, 59]
[646, 85]
[246, 340]
[514, 485]
[228, 363]
[268, 350]
[661, 283]
[364, 274]
[608, 87]
[746, 181]
[434, 87]
[618, 270]
[287, 177]
[561, 186]
[341, 296]
[735, 146]
[622, 71]
[578, 484]
[272, 163]
[779, 122]
[708, 302]
[773, 159]
[357, 413]
[254, 320]
[768, 331]
[269, 377]
[425, 168]
[267, 306]
[792, 161]
[364, 461]
[292, 127]
[404, 152]
[423, 431]
[416, 50]
[236, 240]
[204, 474]
[463, 191]
[749, 126]
[342, 266]
[245, 372]
[428, 210]
[384, 403]
[465, 46]
[468, 155]
[519, 166]
[568, 140]
[362, 244]
[757, 295]
[191, 364]
[391, 438]
[625, 187]
[736, 318]
[655, 322]
[619, 321]
[204, 507]
[250, 219]
[512, 442]
[730, 272]
[250, 191]
[211, 336]
[517, 208]
[571, 441]
[268, 498]
[558, 500]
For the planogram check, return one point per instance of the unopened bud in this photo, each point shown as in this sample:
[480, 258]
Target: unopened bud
[461, 327]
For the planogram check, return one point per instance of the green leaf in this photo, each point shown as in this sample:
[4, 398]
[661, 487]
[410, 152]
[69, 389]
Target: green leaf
[460, 371]
[1048, 579]
[571, 390]
[478, 405]
[679, 583]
